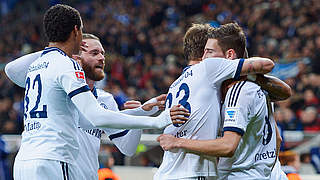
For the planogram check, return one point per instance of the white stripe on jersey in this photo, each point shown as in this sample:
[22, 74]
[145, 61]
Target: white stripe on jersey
[246, 111]
[198, 90]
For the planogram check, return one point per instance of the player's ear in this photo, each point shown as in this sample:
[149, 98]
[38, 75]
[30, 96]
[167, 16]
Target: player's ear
[77, 58]
[76, 30]
[231, 54]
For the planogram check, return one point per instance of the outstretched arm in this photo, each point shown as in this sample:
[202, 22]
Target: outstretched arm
[277, 89]
[103, 118]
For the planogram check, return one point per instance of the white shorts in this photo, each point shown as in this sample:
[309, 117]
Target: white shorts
[43, 169]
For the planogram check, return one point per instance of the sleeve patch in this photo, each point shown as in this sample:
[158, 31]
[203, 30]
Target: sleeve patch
[79, 74]
[231, 115]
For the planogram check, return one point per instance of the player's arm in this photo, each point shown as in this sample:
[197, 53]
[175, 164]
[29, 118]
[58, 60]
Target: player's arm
[256, 65]
[277, 89]
[234, 128]
[149, 108]
[224, 147]
[128, 140]
[220, 69]
[278, 144]
[278, 140]
[17, 69]
[104, 118]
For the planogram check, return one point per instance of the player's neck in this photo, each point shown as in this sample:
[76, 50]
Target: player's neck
[90, 83]
[63, 46]
[195, 61]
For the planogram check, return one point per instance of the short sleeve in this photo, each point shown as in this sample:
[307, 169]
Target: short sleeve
[237, 108]
[71, 78]
[220, 69]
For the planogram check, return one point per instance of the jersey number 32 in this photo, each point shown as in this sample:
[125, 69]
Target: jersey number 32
[34, 112]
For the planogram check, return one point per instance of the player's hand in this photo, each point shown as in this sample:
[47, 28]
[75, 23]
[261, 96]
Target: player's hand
[160, 103]
[84, 46]
[131, 104]
[178, 114]
[167, 141]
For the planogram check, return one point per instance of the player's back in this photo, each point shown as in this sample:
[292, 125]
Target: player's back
[246, 108]
[50, 117]
[198, 90]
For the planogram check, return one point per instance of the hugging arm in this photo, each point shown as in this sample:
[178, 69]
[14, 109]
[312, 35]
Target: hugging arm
[17, 69]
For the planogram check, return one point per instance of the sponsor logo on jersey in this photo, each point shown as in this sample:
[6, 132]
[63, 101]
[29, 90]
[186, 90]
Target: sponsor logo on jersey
[79, 74]
[95, 132]
[265, 155]
[32, 126]
[231, 114]
[181, 134]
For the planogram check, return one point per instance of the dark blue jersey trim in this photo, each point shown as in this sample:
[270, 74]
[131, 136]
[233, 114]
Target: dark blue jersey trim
[78, 91]
[186, 68]
[239, 68]
[234, 93]
[234, 129]
[119, 134]
[94, 92]
[50, 49]
[235, 102]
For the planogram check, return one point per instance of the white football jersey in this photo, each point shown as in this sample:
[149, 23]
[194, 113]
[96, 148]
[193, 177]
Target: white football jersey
[89, 140]
[247, 111]
[198, 90]
[50, 126]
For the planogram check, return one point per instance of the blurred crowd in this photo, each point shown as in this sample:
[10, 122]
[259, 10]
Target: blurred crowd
[143, 41]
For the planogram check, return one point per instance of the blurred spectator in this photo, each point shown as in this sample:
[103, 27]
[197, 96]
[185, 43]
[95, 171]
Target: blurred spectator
[106, 161]
[306, 166]
[145, 161]
[290, 162]
[310, 119]
[143, 42]
[144, 50]
[287, 120]
[4, 169]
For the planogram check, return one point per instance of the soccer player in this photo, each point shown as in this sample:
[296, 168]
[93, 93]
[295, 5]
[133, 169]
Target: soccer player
[198, 90]
[92, 61]
[249, 139]
[56, 94]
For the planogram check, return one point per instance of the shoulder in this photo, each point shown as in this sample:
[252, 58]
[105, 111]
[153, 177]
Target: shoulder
[61, 60]
[245, 91]
[104, 94]
[244, 86]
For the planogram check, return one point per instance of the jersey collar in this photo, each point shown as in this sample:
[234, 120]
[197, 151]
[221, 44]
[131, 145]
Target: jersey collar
[94, 92]
[50, 49]
[186, 68]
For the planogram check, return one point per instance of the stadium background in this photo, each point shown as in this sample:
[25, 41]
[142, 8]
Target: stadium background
[143, 42]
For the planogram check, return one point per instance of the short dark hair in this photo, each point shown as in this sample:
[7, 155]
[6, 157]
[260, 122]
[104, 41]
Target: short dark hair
[195, 40]
[59, 22]
[230, 36]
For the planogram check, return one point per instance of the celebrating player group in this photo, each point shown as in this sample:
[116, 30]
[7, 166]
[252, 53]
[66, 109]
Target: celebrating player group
[220, 106]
